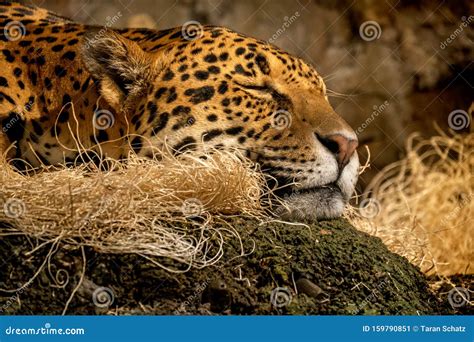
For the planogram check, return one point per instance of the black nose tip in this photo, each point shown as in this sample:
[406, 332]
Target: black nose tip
[341, 146]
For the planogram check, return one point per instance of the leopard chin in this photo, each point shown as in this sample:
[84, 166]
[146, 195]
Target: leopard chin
[325, 202]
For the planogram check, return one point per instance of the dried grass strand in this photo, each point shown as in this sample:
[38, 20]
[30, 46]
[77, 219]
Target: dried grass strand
[426, 203]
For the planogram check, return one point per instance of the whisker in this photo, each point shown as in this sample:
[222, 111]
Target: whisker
[329, 76]
[332, 93]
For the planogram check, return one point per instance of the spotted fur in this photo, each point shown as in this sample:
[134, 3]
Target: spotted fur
[221, 89]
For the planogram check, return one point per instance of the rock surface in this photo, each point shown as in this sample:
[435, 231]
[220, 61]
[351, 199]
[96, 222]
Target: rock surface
[324, 268]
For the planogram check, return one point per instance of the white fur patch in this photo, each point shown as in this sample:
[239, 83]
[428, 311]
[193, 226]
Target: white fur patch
[325, 196]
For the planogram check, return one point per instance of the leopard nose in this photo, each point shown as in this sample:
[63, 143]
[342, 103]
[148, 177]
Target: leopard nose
[342, 146]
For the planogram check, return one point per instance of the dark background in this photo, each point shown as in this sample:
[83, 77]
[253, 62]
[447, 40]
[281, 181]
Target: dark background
[411, 76]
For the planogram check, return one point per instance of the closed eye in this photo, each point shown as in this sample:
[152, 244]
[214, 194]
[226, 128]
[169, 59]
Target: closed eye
[265, 87]
[282, 100]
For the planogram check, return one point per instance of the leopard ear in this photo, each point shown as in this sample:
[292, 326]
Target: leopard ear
[123, 69]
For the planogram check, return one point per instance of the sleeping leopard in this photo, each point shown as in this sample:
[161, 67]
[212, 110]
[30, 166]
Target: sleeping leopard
[116, 91]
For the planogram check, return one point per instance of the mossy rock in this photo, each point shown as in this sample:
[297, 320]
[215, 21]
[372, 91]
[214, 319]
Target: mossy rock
[320, 268]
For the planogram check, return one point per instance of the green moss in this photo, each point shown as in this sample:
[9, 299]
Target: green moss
[336, 269]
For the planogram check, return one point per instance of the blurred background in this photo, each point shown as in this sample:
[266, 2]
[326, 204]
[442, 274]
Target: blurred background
[393, 67]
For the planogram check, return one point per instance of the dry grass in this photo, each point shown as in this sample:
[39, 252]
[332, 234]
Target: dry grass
[425, 204]
[165, 208]
[169, 208]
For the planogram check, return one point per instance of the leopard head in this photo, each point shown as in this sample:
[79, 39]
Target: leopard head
[227, 90]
